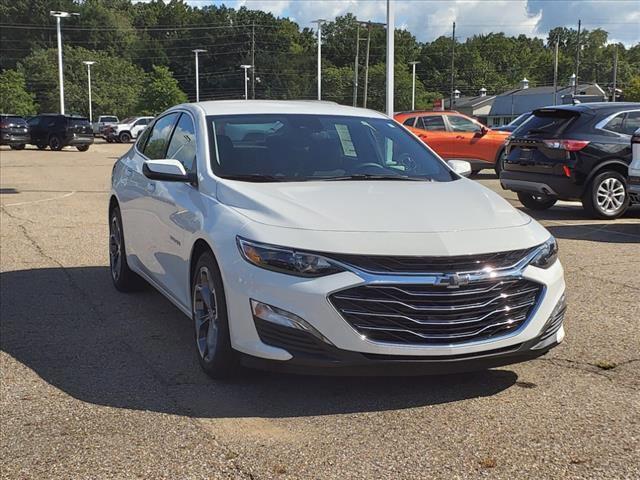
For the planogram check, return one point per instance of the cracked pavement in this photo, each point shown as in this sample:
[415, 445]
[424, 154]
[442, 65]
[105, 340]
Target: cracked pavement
[97, 384]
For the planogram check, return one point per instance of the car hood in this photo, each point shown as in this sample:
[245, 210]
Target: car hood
[372, 206]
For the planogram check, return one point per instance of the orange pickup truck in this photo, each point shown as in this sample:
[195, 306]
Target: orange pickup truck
[455, 136]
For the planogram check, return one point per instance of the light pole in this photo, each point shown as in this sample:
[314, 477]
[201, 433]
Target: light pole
[391, 28]
[413, 85]
[58, 16]
[319, 22]
[197, 51]
[246, 80]
[88, 64]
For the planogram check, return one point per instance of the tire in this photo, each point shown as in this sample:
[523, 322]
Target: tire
[124, 137]
[499, 163]
[109, 140]
[41, 146]
[17, 147]
[82, 148]
[536, 202]
[213, 347]
[606, 196]
[124, 279]
[55, 143]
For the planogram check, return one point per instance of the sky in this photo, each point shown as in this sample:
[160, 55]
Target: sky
[428, 19]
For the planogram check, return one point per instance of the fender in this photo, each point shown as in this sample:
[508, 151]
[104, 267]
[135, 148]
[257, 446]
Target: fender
[598, 168]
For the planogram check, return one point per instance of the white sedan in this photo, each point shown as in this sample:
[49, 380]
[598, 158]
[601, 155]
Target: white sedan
[313, 237]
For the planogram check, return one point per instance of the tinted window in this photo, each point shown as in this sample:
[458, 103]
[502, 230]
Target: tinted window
[142, 121]
[432, 122]
[142, 138]
[547, 123]
[33, 122]
[461, 124]
[615, 124]
[78, 122]
[317, 147]
[183, 143]
[159, 137]
[409, 121]
[631, 123]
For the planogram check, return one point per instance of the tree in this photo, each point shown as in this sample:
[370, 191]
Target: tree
[160, 92]
[14, 97]
[631, 92]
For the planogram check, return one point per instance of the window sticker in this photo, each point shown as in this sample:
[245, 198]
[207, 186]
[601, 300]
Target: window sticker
[345, 140]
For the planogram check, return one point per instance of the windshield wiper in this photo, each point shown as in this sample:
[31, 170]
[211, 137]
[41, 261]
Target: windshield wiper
[366, 176]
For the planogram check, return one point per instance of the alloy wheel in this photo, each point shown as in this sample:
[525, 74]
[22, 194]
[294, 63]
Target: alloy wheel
[115, 247]
[610, 195]
[205, 314]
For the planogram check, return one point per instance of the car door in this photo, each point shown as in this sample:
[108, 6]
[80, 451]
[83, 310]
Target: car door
[35, 131]
[432, 130]
[178, 213]
[468, 140]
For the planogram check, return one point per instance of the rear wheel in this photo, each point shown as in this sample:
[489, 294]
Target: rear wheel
[209, 313]
[535, 201]
[125, 137]
[606, 196]
[82, 148]
[124, 279]
[17, 147]
[55, 143]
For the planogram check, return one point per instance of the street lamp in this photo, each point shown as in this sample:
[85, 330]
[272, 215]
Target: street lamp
[413, 86]
[246, 80]
[58, 16]
[88, 64]
[391, 28]
[319, 22]
[197, 51]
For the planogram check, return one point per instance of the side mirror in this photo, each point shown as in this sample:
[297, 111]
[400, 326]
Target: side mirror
[461, 167]
[168, 170]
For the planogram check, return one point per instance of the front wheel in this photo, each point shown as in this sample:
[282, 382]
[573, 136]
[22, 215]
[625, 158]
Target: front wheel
[18, 147]
[124, 137]
[536, 202]
[82, 148]
[55, 143]
[209, 313]
[606, 196]
[499, 163]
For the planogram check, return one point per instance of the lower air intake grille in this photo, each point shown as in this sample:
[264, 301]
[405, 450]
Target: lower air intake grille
[426, 314]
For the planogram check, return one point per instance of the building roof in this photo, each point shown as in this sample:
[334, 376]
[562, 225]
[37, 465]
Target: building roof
[314, 107]
[470, 101]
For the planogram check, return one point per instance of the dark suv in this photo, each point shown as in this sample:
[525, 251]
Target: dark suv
[13, 131]
[58, 131]
[573, 152]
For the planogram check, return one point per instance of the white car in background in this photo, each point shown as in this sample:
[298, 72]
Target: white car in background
[313, 237]
[634, 168]
[128, 129]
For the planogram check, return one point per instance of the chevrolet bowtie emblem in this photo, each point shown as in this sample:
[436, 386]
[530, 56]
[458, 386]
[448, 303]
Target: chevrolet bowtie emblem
[453, 280]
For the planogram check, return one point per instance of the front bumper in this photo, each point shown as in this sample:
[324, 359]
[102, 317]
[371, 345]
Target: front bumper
[554, 186]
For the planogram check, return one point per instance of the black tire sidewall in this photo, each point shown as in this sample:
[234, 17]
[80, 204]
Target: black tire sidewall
[590, 201]
[224, 362]
[55, 143]
[128, 280]
[124, 137]
[528, 200]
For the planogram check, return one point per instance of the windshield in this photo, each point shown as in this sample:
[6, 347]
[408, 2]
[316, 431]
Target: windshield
[274, 147]
[129, 120]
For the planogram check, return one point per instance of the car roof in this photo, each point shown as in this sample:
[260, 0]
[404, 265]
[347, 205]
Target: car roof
[595, 107]
[305, 107]
[424, 113]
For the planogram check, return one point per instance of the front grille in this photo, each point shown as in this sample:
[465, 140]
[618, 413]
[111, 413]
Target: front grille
[413, 264]
[423, 314]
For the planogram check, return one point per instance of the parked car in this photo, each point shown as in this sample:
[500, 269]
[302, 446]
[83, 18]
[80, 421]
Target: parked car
[309, 235]
[573, 152]
[104, 121]
[13, 131]
[515, 123]
[58, 131]
[634, 168]
[455, 136]
[128, 129]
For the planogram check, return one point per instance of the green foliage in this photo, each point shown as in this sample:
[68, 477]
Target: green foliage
[14, 97]
[160, 92]
[632, 92]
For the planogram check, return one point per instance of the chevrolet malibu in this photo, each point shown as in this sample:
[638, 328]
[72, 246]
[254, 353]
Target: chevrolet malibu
[315, 238]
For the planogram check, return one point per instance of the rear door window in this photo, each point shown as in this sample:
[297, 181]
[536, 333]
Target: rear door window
[432, 122]
[631, 122]
[156, 147]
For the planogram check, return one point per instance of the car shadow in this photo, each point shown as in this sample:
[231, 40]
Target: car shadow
[598, 232]
[134, 351]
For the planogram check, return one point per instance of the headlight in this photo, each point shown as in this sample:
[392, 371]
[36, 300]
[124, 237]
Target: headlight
[547, 254]
[286, 260]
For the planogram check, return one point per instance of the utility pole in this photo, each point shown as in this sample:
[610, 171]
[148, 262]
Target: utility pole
[391, 30]
[355, 68]
[60, 15]
[246, 80]
[88, 64]
[453, 54]
[575, 87]
[413, 85]
[197, 51]
[319, 22]
[253, 59]
[366, 66]
[555, 72]
[615, 74]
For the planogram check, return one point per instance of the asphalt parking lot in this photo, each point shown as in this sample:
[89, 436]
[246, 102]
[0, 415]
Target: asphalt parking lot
[97, 384]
